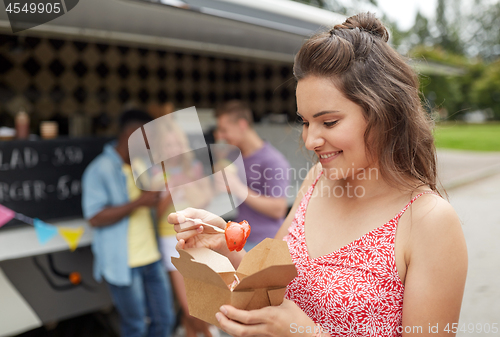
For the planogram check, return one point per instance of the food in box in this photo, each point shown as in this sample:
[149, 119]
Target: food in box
[264, 273]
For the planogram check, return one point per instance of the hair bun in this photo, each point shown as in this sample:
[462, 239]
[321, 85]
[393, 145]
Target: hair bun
[367, 22]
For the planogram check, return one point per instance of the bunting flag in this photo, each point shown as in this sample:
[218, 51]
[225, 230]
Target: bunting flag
[6, 215]
[71, 236]
[44, 231]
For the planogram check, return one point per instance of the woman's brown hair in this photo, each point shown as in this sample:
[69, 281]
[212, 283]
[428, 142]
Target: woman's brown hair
[357, 58]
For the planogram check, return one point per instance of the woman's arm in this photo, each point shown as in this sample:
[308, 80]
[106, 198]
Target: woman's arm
[437, 269]
[112, 214]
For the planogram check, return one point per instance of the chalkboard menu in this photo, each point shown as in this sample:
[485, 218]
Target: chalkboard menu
[42, 179]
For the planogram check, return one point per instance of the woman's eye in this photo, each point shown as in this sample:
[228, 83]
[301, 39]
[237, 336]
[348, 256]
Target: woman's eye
[330, 124]
[301, 121]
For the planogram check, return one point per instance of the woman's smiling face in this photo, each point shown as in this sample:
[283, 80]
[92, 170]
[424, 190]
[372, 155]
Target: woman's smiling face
[333, 127]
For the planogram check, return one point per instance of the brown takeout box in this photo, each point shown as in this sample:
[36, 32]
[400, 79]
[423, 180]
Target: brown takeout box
[264, 273]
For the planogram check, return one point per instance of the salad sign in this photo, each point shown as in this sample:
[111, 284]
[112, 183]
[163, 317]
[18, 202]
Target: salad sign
[42, 179]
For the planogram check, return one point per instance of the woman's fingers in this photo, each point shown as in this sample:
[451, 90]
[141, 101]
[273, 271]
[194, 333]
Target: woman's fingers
[244, 316]
[180, 244]
[203, 215]
[186, 235]
[236, 329]
[174, 218]
[180, 217]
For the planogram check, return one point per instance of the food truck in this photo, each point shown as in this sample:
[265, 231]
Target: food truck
[81, 69]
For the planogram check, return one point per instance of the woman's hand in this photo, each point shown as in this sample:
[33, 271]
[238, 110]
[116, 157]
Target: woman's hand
[195, 236]
[286, 319]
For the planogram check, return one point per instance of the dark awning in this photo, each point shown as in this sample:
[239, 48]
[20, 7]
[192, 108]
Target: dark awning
[264, 29]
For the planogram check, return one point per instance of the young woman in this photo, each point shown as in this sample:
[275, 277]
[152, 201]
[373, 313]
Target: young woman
[378, 251]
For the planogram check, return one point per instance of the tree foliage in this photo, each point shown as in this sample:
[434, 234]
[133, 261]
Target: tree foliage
[448, 27]
[468, 40]
[457, 94]
[339, 6]
[485, 91]
[464, 34]
[470, 28]
[481, 30]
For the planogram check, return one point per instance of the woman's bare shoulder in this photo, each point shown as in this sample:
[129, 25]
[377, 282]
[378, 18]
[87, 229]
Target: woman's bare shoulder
[431, 208]
[433, 222]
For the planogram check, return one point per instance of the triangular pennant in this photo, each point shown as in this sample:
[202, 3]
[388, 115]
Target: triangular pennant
[44, 231]
[6, 215]
[71, 236]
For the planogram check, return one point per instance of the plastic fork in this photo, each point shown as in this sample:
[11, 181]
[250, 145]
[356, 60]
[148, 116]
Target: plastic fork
[198, 221]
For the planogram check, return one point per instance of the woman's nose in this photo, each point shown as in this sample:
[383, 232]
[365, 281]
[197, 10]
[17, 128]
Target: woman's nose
[313, 139]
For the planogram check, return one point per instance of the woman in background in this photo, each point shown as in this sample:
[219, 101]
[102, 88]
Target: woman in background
[182, 171]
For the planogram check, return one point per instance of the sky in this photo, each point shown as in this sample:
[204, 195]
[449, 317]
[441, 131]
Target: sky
[404, 11]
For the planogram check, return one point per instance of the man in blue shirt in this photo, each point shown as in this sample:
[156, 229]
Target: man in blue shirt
[124, 244]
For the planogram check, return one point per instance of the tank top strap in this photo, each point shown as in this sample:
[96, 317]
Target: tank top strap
[317, 178]
[305, 200]
[411, 202]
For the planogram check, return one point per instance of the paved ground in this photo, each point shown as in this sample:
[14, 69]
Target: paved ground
[477, 205]
[456, 167]
[473, 183]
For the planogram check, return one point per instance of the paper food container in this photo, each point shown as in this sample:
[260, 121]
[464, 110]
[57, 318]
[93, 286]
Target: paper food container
[264, 273]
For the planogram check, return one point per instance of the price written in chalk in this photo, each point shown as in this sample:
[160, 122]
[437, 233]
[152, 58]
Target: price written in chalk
[37, 190]
[67, 155]
[28, 158]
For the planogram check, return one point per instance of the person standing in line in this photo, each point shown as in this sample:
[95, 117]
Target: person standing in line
[124, 243]
[184, 172]
[266, 172]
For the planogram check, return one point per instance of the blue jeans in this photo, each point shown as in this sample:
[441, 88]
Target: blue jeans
[149, 295]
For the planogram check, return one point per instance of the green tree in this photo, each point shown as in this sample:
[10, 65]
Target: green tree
[481, 30]
[485, 91]
[446, 25]
[396, 35]
[448, 91]
[421, 29]
[340, 6]
[418, 35]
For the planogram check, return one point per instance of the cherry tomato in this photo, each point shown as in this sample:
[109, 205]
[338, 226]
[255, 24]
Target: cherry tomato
[237, 234]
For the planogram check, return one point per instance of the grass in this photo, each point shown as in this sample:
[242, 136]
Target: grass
[474, 137]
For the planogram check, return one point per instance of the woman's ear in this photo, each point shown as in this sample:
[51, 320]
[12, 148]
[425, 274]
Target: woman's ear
[243, 124]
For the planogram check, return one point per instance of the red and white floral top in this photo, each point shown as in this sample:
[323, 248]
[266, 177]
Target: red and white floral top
[353, 291]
